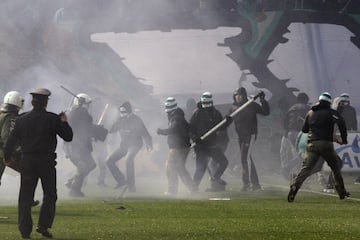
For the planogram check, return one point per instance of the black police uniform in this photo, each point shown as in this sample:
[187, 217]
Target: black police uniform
[36, 132]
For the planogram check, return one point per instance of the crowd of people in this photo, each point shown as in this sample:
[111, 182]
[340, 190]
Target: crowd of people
[28, 143]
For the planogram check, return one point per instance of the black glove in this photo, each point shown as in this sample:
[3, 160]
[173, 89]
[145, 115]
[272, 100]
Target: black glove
[262, 96]
[229, 119]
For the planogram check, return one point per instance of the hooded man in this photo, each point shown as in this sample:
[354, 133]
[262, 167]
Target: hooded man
[178, 139]
[133, 133]
[246, 128]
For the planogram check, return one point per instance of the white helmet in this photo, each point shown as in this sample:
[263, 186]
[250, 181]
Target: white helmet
[81, 98]
[14, 98]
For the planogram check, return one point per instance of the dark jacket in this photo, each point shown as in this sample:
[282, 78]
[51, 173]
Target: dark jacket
[246, 120]
[132, 131]
[295, 117]
[349, 114]
[178, 132]
[7, 123]
[36, 132]
[84, 129]
[320, 120]
[201, 122]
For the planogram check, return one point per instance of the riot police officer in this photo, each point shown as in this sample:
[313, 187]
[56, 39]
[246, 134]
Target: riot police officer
[80, 149]
[13, 102]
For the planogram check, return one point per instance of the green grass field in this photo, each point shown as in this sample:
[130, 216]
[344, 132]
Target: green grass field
[237, 215]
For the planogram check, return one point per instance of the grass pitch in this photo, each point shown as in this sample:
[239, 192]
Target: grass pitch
[231, 215]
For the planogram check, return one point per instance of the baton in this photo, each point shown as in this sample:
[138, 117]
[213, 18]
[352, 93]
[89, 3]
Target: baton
[71, 93]
[217, 126]
[103, 114]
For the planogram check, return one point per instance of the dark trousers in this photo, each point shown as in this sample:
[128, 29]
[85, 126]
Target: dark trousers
[315, 150]
[84, 163]
[35, 167]
[247, 176]
[118, 154]
[202, 159]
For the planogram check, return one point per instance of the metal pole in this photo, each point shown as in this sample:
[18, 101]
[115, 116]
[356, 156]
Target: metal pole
[217, 126]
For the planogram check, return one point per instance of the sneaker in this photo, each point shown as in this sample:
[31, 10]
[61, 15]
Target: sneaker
[44, 232]
[292, 193]
[344, 195]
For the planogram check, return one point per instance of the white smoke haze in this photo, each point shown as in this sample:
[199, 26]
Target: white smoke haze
[46, 45]
[180, 61]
